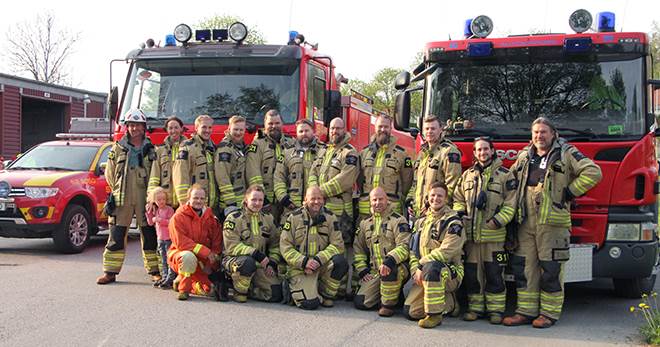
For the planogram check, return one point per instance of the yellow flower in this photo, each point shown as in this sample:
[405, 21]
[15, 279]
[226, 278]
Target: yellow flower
[632, 308]
[644, 296]
[641, 305]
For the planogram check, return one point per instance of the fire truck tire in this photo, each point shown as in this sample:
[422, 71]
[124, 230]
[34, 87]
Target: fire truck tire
[72, 236]
[633, 287]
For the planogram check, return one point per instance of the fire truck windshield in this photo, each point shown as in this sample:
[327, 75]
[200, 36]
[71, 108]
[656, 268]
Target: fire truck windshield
[586, 99]
[220, 88]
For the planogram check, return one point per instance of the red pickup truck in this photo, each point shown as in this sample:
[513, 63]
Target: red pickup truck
[56, 189]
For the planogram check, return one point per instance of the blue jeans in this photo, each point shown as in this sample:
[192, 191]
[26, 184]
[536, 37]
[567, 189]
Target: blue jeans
[165, 272]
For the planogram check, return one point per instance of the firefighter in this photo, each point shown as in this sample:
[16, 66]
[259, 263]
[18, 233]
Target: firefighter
[266, 150]
[313, 248]
[439, 160]
[486, 196]
[166, 154]
[384, 164]
[230, 165]
[435, 260]
[335, 171]
[127, 175]
[381, 256]
[252, 250]
[551, 174]
[291, 177]
[196, 246]
[194, 163]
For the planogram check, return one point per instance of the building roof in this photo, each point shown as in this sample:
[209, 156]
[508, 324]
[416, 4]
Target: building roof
[51, 88]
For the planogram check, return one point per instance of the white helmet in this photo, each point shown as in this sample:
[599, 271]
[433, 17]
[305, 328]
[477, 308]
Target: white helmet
[135, 116]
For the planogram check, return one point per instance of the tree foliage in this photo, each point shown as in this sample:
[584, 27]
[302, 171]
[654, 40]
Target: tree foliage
[254, 37]
[654, 47]
[41, 48]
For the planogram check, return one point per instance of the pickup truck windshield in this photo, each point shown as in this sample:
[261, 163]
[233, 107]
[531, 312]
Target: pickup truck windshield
[67, 158]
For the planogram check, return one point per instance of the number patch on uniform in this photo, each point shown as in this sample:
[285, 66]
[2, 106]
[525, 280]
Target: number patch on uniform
[226, 157]
[252, 148]
[408, 163]
[287, 226]
[229, 225]
[501, 257]
[351, 160]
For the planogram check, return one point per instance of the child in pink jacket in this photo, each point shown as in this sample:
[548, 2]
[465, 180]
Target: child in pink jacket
[159, 213]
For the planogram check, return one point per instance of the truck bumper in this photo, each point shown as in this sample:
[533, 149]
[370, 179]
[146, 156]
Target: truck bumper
[18, 228]
[637, 259]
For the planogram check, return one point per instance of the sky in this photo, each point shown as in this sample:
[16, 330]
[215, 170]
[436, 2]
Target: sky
[361, 36]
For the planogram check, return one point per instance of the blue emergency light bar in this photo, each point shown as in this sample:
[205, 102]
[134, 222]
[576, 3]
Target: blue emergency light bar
[220, 34]
[203, 35]
[577, 45]
[480, 49]
[606, 22]
[467, 30]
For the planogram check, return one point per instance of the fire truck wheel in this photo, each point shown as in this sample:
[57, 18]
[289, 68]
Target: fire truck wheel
[72, 236]
[633, 287]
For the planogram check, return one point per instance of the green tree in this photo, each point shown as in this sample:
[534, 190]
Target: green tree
[654, 47]
[255, 37]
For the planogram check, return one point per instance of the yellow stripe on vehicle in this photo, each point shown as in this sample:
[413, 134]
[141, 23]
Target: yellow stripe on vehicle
[48, 180]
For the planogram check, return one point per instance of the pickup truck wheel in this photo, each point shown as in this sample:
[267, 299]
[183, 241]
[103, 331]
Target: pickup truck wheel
[633, 287]
[72, 236]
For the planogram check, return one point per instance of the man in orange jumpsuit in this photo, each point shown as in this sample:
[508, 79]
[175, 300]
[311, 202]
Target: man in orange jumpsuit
[196, 246]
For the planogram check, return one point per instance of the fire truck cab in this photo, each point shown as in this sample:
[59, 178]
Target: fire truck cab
[594, 85]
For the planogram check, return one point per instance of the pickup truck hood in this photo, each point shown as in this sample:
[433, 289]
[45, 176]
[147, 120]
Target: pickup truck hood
[36, 178]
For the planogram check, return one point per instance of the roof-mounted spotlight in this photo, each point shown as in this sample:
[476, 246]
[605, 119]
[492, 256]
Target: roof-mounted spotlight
[481, 26]
[182, 33]
[606, 22]
[238, 32]
[220, 34]
[299, 40]
[150, 43]
[580, 21]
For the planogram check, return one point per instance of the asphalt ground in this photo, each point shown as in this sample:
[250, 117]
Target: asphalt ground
[51, 299]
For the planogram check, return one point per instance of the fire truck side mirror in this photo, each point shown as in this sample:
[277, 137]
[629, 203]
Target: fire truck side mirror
[402, 80]
[402, 111]
[113, 102]
[332, 107]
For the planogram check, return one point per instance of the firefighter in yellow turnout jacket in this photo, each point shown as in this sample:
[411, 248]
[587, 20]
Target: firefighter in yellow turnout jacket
[292, 173]
[313, 248]
[127, 174]
[335, 171]
[266, 150]
[194, 163]
[387, 165]
[252, 250]
[435, 260]
[551, 173]
[381, 256]
[439, 160]
[486, 196]
[166, 154]
[230, 164]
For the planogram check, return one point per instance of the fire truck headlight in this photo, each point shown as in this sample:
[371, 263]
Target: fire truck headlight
[580, 21]
[40, 192]
[481, 26]
[623, 232]
[182, 33]
[238, 31]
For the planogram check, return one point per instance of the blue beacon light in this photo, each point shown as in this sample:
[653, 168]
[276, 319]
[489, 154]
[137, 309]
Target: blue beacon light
[170, 40]
[606, 22]
[467, 31]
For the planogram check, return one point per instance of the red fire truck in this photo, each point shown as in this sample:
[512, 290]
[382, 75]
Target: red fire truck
[215, 73]
[594, 84]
